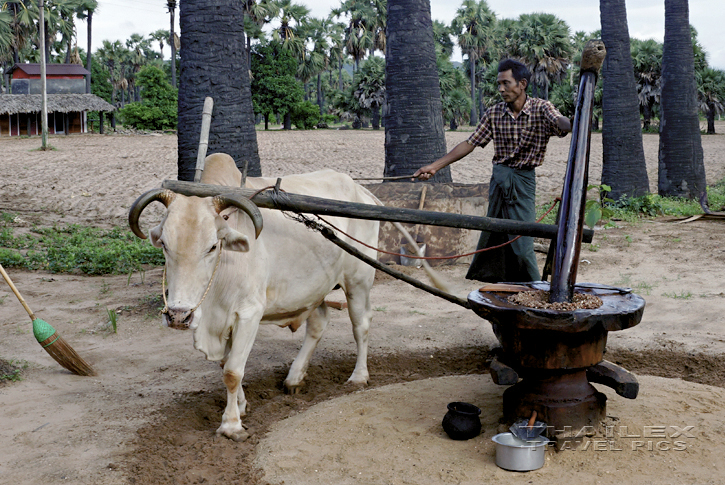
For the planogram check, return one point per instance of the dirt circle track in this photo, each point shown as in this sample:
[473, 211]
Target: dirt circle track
[150, 414]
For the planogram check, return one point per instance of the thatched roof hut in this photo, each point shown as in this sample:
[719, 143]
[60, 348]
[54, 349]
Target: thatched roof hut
[57, 103]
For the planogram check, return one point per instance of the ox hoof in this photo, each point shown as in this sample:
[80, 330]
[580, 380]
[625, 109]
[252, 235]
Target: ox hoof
[239, 436]
[356, 384]
[293, 390]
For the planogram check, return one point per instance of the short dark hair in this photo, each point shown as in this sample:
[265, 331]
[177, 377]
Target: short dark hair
[518, 70]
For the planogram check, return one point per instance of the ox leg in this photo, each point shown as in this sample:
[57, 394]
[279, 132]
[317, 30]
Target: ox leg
[316, 325]
[231, 426]
[358, 304]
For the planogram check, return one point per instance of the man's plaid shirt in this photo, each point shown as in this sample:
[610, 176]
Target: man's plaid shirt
[518, 142]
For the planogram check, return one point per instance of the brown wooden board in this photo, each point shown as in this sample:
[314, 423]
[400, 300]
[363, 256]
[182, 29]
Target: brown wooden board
[471, 199]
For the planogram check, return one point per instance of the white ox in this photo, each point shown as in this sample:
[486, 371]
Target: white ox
[281, 277]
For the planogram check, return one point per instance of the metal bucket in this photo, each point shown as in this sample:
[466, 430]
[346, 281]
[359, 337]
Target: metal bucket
[518, 455]
[412, 261]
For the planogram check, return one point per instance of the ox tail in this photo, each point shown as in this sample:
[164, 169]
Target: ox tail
[433, 275]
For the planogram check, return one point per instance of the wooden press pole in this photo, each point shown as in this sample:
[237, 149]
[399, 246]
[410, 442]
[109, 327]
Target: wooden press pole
[573, 196]
[203, 137]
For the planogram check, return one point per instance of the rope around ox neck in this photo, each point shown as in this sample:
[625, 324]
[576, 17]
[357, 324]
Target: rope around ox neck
[165, 311]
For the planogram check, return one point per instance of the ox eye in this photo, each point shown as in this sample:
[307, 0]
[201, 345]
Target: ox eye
[213, 248]
[226, 217]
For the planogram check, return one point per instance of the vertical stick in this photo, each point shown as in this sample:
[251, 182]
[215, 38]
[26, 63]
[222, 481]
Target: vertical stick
[204, 137]
[573, 197]
[43, 88]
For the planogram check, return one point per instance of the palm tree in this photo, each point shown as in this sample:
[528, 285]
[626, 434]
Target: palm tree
[681, 164]
[85, 10]
[362, 34]
[475, 26]
[370, 90]
[317, 59]
[291, 16]
[257, 14]
[623, 168]
[111, 55]
[442, 36]
[543, 43]
[338, 55]
[647, 62]
[414, 133]
[224, 76]
[162, 37]
[711, 95]
[171, 5]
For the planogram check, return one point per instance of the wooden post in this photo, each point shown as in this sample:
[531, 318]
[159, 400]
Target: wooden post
[203, 137]
[43, 87]
[100, 117]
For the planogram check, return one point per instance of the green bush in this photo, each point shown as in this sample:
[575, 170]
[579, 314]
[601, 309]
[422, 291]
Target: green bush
[305, 115]
[158, 110]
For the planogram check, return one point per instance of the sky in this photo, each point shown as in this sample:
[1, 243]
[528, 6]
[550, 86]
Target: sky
[118, 19]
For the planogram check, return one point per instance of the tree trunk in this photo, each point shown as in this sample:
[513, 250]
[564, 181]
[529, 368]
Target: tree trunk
[474, 118]
[320, 101]
[266, 122]
[414, 131]
[287, 121]
[88, 53]
[339, 78]
[681, 164]
[623, 167]
[172, 44]
[215, 65]
[647, 113]
[375, 119]
[710, 118]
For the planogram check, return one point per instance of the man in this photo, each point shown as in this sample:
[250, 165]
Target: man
[520, 128]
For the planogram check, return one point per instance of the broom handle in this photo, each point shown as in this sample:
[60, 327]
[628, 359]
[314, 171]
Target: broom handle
[17, 293]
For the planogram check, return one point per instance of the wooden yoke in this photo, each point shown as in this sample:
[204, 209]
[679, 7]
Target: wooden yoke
[573, 198]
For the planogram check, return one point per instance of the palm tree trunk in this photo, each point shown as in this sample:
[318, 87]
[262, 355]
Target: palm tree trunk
[710, 118]
[88, 53]
[320, 101]
[339, 77]
[414, 130]
[474, 118]
[681, 165]
[623, 168]
[223, 75]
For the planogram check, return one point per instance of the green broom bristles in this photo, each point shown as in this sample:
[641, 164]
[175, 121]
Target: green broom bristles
[59, 349]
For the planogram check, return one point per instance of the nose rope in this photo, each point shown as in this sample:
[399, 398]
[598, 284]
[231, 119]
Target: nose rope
[165, 311]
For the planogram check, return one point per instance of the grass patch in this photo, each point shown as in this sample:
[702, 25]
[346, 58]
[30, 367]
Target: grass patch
[634, 209]
[113, 319]
[683, 295]
[76, 249]
[12, 370]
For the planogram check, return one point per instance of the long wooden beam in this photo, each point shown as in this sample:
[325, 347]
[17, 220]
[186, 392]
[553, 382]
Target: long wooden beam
[305, 204]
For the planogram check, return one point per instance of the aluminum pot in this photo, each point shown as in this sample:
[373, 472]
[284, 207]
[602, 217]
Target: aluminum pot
[518, 455]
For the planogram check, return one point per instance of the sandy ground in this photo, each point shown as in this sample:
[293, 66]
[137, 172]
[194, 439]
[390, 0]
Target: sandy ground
[150, 414]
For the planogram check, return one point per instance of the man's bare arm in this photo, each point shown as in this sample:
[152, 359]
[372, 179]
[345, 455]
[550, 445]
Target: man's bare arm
[458, 152]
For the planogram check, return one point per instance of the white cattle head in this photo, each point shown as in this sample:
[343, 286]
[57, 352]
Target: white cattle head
[192, 235]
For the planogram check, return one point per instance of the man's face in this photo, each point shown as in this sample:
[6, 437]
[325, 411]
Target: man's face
[509, 88]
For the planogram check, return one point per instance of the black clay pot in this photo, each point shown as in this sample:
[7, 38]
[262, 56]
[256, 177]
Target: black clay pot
[461, 422]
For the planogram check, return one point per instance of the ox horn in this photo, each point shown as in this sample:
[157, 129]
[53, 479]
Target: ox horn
[164, 196]
[222, 202]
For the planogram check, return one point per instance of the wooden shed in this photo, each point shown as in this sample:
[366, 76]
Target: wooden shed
[67, 113]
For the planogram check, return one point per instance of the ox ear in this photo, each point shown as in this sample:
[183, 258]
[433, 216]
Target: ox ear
[155, 234]
[233, 240]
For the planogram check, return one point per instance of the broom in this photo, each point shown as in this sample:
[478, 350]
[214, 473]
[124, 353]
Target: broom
[49, 339]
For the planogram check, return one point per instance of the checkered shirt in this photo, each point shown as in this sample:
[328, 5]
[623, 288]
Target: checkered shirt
[518, 142]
